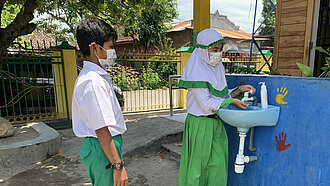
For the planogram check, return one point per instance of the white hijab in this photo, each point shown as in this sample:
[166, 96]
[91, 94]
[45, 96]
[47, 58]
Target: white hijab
[198, 73]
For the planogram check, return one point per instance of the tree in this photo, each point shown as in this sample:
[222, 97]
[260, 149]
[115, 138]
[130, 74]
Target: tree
[143, 19]
[13, 27]
[61, 17]
[150, 26]
[268, 27]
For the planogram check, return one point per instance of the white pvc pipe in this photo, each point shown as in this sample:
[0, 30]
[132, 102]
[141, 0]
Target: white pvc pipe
[242, 136]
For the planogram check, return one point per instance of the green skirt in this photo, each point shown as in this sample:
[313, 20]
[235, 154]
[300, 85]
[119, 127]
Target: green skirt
[204, 156]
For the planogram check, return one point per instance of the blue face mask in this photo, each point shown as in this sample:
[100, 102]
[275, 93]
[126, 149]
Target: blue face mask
[110, 60]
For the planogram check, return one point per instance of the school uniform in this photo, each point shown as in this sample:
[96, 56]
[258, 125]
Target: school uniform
[94, 106]
[204, 156]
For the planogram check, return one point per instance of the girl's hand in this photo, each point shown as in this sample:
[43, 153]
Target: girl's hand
[239, 104]
[246, 88]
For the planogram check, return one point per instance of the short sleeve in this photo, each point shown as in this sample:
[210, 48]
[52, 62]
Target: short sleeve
[97, 105]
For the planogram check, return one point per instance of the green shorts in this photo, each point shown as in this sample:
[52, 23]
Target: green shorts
[95, 160]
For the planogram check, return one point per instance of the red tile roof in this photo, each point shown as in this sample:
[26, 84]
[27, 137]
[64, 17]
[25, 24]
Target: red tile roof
[182, 25]
[235, 35]
[179, 26]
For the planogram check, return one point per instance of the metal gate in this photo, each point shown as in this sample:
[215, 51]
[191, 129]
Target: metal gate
[144, 83]
[140, 79]
[33, 85]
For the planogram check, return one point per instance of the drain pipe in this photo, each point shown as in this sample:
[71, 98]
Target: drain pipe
[251, 146]
[240, 158]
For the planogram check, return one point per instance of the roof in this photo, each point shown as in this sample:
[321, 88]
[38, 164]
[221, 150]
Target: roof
[179, 26]
[121, 38]
[41, 35]
[182, 25]
[40, 38]
[235, 35]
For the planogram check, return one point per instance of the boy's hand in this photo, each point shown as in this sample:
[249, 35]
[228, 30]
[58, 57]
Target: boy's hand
[246, 88]
[120, 177]
[239, 104]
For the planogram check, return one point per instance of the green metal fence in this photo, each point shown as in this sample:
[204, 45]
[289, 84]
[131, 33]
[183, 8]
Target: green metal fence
[33, 85]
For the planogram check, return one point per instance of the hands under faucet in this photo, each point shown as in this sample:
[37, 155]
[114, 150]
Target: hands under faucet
[241, 89]
[239, 104]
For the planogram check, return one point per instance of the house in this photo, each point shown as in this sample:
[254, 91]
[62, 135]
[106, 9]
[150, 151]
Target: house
[181, 33]
[237, 40]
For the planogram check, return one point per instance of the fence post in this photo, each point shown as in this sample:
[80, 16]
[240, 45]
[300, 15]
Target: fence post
[171, 98]
[262, 63]
[64, 89]
[183, 93]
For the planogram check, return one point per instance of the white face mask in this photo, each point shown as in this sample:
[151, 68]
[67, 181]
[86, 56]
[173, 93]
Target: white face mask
[215, 58]
[110, 60]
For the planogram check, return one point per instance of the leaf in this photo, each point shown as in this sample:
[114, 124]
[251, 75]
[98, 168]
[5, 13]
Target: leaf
[305, 69]
[320, 49]
[327, 59]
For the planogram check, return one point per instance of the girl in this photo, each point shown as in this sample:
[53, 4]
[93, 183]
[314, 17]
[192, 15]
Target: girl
[204, 157]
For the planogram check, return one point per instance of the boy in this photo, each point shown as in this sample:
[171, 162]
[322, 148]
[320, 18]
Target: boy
[96, 114]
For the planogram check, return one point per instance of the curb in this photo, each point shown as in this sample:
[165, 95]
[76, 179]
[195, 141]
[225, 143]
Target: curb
[31, 151]
[153, 144]
[175, 151]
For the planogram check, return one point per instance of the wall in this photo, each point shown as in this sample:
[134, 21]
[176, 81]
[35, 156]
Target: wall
[293, 29]
[222, 22]
[122, 48]
[181, 38]
[304, 118]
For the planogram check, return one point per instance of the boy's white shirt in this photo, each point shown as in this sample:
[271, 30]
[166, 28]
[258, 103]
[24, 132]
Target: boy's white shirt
[94, 103]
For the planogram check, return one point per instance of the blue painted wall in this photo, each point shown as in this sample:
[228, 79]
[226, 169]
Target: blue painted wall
[305, 120]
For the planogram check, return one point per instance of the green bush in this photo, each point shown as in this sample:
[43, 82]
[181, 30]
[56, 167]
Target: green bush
[150, 79]
[164, 69]
[125, 83]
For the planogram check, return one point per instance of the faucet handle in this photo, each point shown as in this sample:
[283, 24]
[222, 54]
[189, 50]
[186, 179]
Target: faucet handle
[246, 94]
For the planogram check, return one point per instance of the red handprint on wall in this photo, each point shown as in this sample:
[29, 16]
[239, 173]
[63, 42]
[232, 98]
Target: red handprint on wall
[281, 142]
[241, 83]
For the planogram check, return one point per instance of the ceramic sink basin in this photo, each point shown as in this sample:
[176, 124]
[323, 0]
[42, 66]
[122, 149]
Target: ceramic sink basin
[251, 117]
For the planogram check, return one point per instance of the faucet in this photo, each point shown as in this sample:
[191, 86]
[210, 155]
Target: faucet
[253, 98]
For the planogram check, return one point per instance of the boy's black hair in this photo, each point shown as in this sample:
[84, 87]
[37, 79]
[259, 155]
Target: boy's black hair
[93, 30]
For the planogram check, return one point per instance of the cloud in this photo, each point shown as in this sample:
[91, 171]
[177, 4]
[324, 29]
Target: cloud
[240, 12]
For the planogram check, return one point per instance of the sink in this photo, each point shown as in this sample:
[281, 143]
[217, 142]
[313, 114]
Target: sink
[253, 116]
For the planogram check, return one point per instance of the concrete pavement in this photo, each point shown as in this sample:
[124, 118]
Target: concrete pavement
[147, 163]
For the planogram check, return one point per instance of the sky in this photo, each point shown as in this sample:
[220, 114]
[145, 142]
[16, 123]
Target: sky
[240, 12]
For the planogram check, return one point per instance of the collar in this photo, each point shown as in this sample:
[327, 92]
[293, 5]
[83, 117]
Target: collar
[94, 67]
